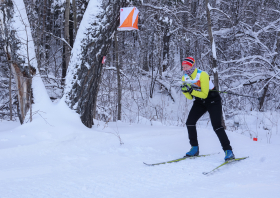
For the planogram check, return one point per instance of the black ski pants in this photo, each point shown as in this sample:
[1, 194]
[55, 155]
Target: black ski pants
[214, 107]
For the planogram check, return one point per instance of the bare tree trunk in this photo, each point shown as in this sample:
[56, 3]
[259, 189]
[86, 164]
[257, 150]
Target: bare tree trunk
[37, 41]
[212, 43]
[152, 64]
[263, 97]
[43, 36]
[66, 33]
[44, 17]
[29, 80]
[118, 78]
[166, 40]
[66, 50]
[10, 96]
[74, 18]
[160, 67]
[213, 55]
[30, 99]
[95, 104]
[23, 86]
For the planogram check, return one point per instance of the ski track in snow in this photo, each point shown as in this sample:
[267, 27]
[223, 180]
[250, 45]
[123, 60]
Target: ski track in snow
[92, 163]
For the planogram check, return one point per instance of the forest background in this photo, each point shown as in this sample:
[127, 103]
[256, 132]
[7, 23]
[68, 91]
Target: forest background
[236, 41]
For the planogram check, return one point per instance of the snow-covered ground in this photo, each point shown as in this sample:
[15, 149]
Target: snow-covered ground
[56, 156]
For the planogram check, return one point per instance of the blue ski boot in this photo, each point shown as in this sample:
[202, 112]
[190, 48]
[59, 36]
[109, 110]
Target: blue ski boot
[193, 152]
[229, 155]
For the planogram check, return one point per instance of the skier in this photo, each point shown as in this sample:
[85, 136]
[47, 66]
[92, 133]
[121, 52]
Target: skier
[196, 85]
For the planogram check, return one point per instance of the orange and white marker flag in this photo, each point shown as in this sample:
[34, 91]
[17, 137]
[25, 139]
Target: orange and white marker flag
[128, 19]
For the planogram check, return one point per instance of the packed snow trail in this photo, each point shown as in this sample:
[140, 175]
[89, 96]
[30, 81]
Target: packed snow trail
[59, 157]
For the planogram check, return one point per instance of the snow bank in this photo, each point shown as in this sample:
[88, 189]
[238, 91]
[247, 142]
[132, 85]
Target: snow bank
[37, 161]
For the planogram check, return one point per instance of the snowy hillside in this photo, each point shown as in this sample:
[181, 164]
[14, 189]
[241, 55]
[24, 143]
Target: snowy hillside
[56, 156]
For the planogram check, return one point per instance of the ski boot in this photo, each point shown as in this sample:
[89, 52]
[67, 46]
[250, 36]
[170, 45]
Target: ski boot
[193, 152]
[229, 155]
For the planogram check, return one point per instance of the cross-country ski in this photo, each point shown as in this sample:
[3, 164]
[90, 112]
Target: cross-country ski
[223, 164]
[177, 160]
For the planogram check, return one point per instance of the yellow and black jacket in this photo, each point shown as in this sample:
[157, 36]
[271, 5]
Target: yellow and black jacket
[200, 79]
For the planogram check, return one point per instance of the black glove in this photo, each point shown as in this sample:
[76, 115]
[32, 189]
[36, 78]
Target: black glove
[186, 88]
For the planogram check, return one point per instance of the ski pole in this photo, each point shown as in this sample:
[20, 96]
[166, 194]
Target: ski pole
[259, 98]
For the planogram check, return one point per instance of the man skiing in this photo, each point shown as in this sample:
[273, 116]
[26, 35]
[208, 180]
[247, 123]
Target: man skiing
[197, 84]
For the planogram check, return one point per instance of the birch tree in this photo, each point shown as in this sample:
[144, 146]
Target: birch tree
[19, 49]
